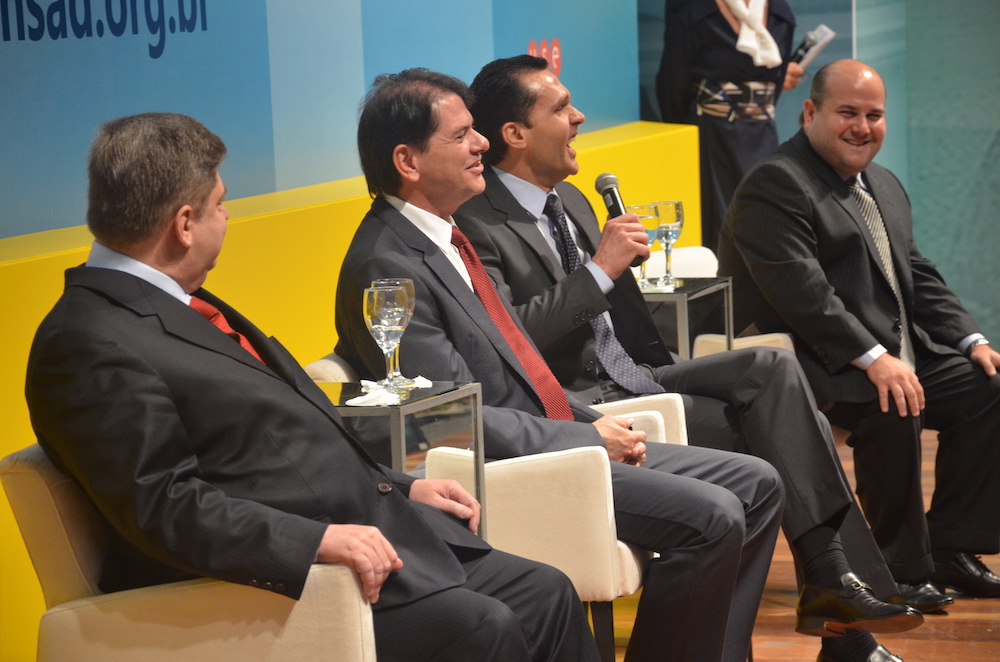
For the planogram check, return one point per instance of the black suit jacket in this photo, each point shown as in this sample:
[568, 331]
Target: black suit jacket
[556, 308]
[803, 261]
[450, 337]
[205, 460]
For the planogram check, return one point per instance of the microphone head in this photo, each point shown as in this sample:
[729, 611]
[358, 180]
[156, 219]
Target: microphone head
[810, 39]
[605, 181]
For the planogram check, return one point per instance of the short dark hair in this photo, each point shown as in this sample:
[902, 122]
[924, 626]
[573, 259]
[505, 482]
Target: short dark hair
[142, 168]
[501, 97]
[818, 89]
[399, 110]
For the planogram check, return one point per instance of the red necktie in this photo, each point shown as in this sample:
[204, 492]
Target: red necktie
[215, 316]
[542, 379]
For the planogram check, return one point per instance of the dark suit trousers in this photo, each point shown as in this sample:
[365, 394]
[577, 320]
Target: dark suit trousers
[756, 401]
[509, 610]
[713, 517]
[963, 404]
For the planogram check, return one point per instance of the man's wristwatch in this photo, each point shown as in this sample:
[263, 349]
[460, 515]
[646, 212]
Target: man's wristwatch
[976, 343]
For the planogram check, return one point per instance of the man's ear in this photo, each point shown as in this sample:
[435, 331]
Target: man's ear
[407, 162]
[808, 113]
[181, 225]
[514, 135]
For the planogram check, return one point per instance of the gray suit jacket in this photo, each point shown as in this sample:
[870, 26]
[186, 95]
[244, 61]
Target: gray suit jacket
[450, 337]
[205, 460]
[803, 261]
[556, 309]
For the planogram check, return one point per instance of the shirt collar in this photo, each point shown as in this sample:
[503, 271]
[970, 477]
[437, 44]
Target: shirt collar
[437, 229]
[528, 195]
[102, 257]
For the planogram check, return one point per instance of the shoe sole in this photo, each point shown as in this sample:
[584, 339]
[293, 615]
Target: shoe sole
[819, 627]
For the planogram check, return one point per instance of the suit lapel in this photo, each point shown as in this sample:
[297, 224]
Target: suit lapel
[588, 233]
[446, 274]
[842, 194]
[881, 183]
[522, 224]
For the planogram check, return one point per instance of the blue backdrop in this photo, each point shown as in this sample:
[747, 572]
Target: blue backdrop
[279, 80]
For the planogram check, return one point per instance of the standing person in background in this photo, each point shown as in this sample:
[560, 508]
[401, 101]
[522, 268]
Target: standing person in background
[722, 70]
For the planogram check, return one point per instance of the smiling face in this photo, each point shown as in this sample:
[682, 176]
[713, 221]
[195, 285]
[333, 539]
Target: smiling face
[552, 126]
[450, 170]
[848, 126]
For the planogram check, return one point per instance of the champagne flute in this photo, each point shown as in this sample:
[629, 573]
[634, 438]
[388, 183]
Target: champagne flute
[649, 216]
[385, 313]
[395, 377]
[671, 224]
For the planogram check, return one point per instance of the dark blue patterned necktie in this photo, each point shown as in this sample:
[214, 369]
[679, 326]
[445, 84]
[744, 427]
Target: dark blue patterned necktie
[613, 357]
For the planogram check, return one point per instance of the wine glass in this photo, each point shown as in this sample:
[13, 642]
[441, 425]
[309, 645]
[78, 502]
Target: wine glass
[385, 316]
[649, 216]
[671, 224]
[395, 377]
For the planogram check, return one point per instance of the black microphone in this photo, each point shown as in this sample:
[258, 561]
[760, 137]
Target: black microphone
[808, 41]
[607, 187]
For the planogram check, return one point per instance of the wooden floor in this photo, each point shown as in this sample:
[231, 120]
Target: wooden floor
[969, 632]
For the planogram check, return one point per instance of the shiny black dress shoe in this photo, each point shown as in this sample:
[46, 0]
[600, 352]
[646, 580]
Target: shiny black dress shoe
[923, 596]
[880, 654]
[827, 612]
[965, 573]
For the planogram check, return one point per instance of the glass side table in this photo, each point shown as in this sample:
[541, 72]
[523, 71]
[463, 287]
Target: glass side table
[695, 288]
[416, 401]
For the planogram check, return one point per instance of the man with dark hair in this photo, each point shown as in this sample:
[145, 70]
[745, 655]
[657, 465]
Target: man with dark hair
[570, 284]
[819, 242]
[713, 516]
[214, 454]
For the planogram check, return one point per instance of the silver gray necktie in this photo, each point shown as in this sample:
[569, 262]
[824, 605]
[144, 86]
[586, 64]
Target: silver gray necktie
[876, 225]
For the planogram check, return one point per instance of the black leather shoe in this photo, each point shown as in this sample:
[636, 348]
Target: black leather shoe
[880, 654]
[924, 596]
[827, 612]
[966, 574]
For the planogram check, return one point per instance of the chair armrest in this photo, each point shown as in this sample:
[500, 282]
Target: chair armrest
[669, 405]
[205, 619]
[555, 507]
[331, 368]
[713, 343]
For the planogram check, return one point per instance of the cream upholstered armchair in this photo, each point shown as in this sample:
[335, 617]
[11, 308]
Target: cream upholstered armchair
[331, 368]
[575, 530]
[201, 619]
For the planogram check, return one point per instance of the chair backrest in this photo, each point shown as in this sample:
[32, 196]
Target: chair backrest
[65, 535]
[331, 368]
[685, 262]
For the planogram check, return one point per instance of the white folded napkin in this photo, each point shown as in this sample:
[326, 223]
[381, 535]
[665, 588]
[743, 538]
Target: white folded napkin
[374, 394]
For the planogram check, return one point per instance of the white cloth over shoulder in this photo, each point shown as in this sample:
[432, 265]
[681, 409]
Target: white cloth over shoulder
[754, 39]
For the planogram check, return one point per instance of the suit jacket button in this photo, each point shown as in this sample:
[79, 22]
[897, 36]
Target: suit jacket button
[897, 325]
[279, 588]
[254, 583]
[597, 401]
[385, 488]
[267, 586]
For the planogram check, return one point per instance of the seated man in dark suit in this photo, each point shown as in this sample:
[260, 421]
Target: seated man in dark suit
[819, 242]
[215, 455]
[571, 286]
[712, 515]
